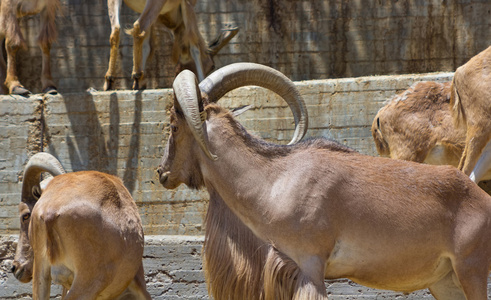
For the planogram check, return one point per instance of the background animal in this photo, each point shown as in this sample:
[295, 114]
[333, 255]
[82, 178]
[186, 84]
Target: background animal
[233, 257]
[417, 125]
[189, 50]
[81, 230]
[471, 109]
[322, 210]
[10, 11]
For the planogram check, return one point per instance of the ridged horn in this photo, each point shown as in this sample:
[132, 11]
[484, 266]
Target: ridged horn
[233, 76]
[37, 164]
[189, 100]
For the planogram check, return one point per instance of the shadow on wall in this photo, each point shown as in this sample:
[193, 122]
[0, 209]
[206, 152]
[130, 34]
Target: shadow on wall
[92, 146]
[303, 39]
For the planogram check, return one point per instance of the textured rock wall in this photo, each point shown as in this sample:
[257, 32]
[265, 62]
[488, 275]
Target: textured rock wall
[123, 133]
[302, 38]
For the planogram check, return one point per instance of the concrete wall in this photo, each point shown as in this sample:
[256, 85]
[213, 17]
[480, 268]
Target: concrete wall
[123, 133]
[304, 39]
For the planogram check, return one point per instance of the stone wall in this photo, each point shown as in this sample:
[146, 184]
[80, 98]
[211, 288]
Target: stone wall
[123, 133]
[302, 38]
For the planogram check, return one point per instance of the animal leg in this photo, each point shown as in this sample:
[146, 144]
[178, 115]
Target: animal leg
[86, 287]
[41, 277]
[3, 67]
[47, 35]
[473, 279]
[12, 81]
[114, 7]
[140, 33]
[476, 140]
[483, 164]
[447, 288]
[138, 287]
[284, 279]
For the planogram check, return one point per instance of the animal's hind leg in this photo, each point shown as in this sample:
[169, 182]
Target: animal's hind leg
[12, 81]
[114, 8]
[46, 36]
[472, 275]
[3, 67]
[41, 277]
[86, 287]
[447, 288]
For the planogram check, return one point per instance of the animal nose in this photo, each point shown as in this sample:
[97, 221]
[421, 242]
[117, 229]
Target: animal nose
[159, 171]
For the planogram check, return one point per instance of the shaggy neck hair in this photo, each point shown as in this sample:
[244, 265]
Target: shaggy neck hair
[264, 148]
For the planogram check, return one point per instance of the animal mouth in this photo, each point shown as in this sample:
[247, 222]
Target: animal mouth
[19, 274]
[164, 177]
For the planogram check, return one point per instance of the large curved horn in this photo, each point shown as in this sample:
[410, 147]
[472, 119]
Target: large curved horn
[189, 99]
[237, 75]
[37, 164]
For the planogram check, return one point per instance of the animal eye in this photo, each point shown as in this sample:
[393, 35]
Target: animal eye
[173, 128]
[26, 217]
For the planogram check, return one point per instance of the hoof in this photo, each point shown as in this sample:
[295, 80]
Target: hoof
[138, 81]
[51, 90]
[108, 83]
[21, 91]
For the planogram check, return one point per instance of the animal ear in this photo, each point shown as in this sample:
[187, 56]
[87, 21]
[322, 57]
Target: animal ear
[36, 192]
[240, 110]
[221, 40]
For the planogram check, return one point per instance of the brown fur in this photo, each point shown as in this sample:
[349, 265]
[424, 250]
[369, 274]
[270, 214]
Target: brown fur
[471, 106]
[179, 17]
[326, 211]
[10, 10]
[415, 123]
[81, 225]
[233, 258]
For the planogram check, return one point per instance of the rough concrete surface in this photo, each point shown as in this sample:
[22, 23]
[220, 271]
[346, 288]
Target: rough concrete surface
[173, 271]
[123, 133]
[304, 39]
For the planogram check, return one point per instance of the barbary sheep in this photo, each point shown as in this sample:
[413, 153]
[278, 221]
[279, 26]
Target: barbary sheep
[189, 50]
[471, 108]
[321, 210]
[10, 11]
[80, 229]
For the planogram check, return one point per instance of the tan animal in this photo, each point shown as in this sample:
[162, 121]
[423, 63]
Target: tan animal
[81, 230]
[10, 11]
[189, 50]
[471, 109]
[323, 210]
[417, 125]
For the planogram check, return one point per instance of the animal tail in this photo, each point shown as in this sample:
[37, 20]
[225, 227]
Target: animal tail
[283, 280]
[458, 114]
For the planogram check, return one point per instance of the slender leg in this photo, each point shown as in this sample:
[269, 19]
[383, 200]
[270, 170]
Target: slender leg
[140, 33]
[3, 67]
[47, 35]
[41, 278]
[12, 81]
[114, 8]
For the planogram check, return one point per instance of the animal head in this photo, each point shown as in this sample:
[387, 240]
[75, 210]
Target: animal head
[185, 58]
[189, 50]
[191, 116]
[32, 189]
